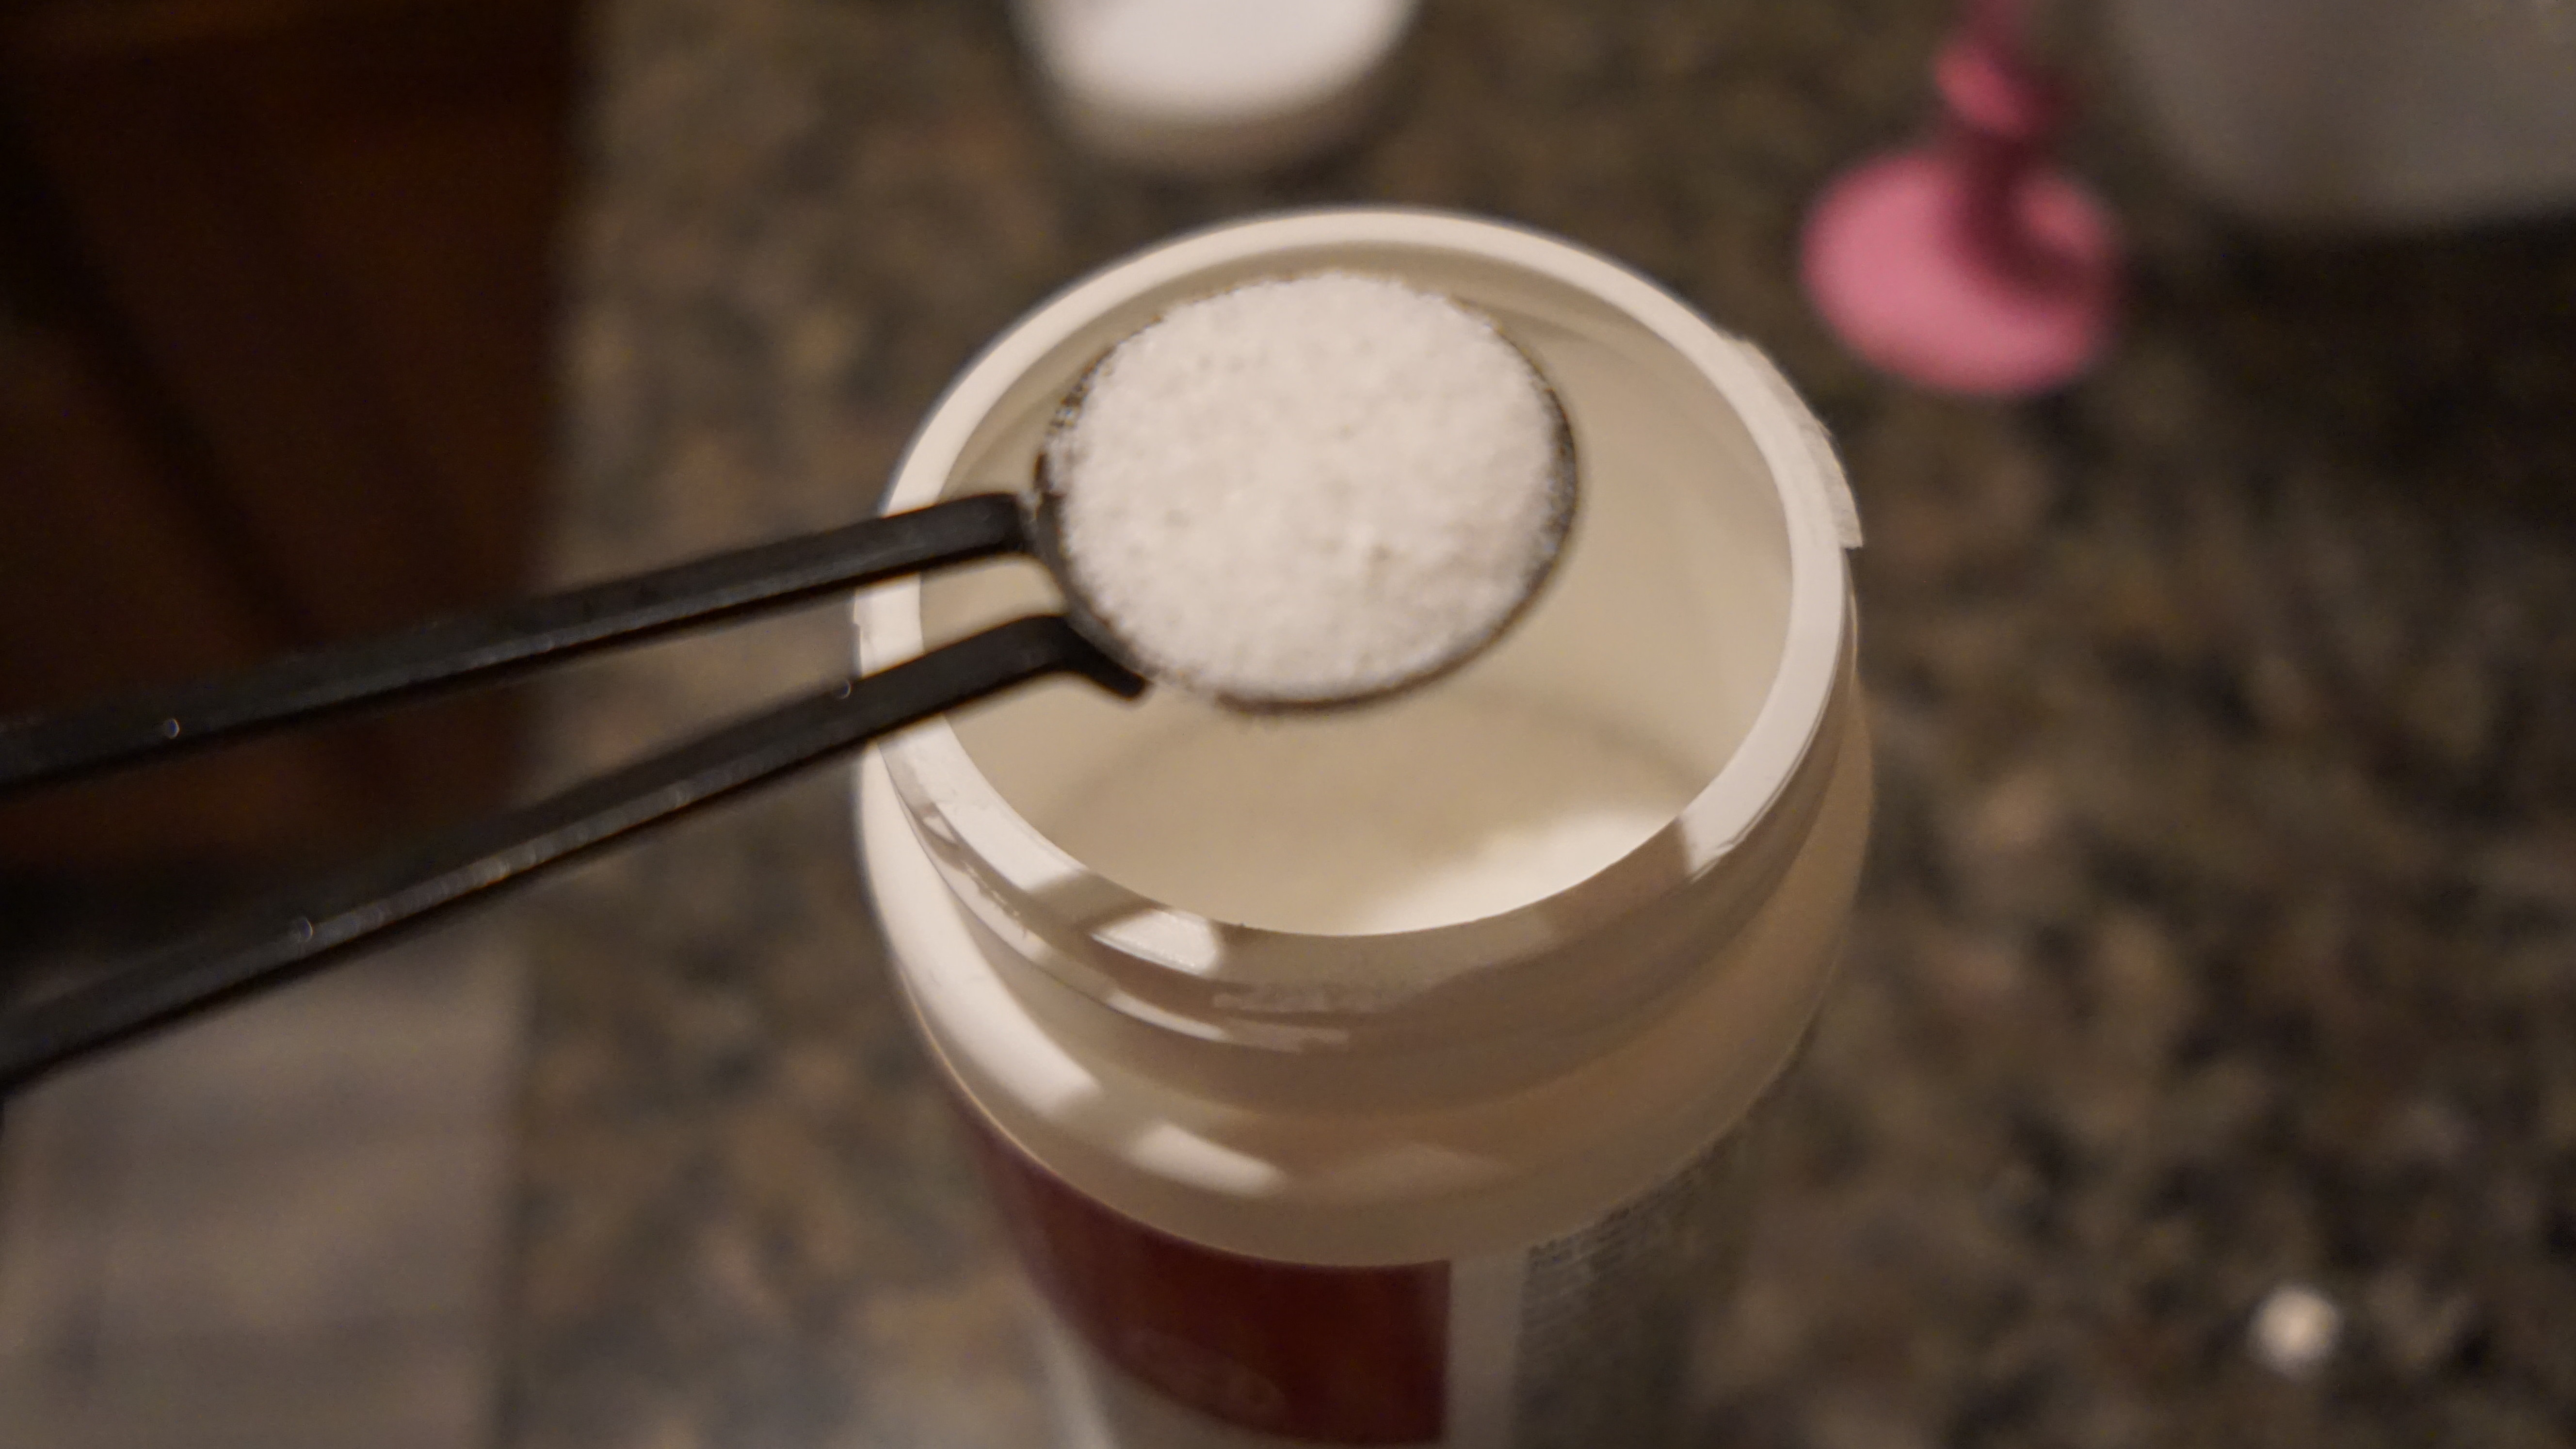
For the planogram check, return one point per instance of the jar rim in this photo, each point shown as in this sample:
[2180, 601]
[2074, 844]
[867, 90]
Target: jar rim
[1160, 962]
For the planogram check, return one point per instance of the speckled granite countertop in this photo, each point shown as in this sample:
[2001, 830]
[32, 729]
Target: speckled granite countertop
[2221, 932]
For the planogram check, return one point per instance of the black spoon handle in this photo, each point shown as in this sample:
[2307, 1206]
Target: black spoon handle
[301, 931]
[472, 648]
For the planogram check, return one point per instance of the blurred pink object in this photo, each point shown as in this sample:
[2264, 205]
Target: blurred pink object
[1970, 265]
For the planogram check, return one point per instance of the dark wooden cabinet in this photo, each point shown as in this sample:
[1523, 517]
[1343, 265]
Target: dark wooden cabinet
[276, 371]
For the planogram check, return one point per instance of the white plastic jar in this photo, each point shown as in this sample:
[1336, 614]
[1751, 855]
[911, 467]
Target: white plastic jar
[2362, 115]
[1461, 1163]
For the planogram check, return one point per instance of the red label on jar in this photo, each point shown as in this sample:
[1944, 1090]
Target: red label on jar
[1325, 1355]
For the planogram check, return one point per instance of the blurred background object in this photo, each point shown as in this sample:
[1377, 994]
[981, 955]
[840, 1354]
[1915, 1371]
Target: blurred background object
[1212, 87]
[276, 372]
[1970, 264]
[276, 294]
[2362, 115]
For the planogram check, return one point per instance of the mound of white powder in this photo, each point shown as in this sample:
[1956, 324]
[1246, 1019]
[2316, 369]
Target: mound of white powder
[1308, 489]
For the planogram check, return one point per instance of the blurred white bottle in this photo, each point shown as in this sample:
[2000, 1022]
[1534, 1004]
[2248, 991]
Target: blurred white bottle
[2363, 114]
[1212, 87]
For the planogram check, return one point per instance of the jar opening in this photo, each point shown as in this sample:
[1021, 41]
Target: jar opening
[1610, 754]
[1570, 745]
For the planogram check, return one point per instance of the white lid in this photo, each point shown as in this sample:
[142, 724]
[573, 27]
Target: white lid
[1212, 84]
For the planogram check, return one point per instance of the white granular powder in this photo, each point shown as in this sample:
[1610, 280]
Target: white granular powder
[1308, 489]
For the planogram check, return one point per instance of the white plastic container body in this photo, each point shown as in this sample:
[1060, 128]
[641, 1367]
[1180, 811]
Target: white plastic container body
[1462, 1184]
[2364, 115]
